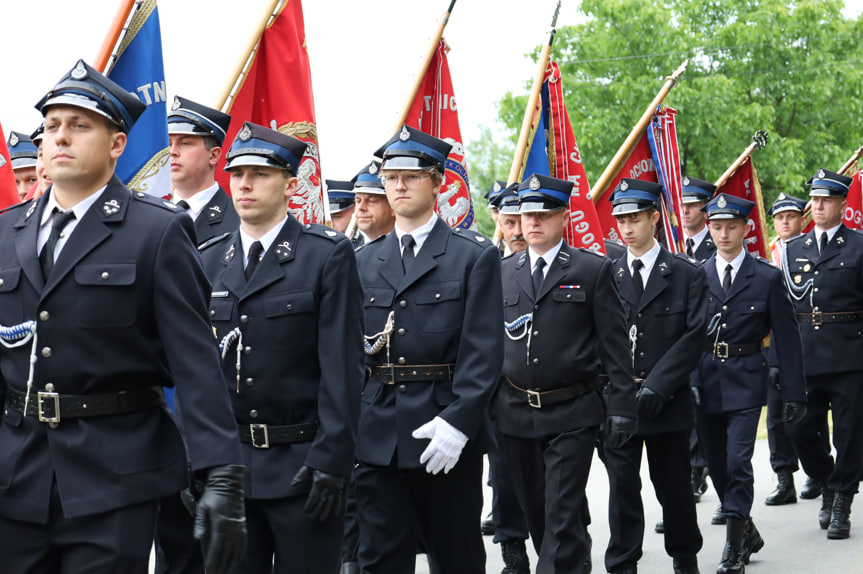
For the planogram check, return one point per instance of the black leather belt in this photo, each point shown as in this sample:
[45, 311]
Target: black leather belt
[819, 318]
[411, 373]
[263, 436]
[723, 350]
[538, 399]
[51, 407]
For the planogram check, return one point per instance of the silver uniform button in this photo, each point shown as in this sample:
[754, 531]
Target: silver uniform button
[401, 331]
[105, 275]
[253, 413]
[49, 387]
[244, 318]
[401, 360]
[250, 381]
[403, 303]
[44, 316]
[46, 352]
[247, 350]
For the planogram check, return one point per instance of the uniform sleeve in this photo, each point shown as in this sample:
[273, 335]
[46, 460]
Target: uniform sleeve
[340, 354]
[480, 351]
[611, 342]
[786, 339]
[671, 372]
[181, 291]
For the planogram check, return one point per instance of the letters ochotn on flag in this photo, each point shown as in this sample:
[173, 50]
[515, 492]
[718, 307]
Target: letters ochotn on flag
[743, 183]
[144, 165]
[435, 112]
[8, 189]
[276, 92]
[554, 151]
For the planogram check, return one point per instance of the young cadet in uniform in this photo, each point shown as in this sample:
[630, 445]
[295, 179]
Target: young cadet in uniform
[665, 300]
[564, 326]
[197, 134]
[342, 203]
[432, 301]
[746, 300]
[374, 215]
[113, 287]
[787, 213]
[824, 275]
[287, 308]
[23, 153]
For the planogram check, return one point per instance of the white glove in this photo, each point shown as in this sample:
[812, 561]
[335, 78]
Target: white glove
[445, 447]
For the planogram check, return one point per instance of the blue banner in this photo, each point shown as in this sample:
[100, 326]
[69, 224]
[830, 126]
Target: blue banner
[537, 157]
[145, 164]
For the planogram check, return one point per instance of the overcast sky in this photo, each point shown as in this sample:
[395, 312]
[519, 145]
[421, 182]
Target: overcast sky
[364, 55]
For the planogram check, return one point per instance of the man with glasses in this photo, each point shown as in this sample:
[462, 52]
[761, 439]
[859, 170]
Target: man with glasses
[434, 352]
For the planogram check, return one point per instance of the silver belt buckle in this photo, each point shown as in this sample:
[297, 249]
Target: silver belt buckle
[721, 350]
[41, 396]
[533, 399]
[255, 443]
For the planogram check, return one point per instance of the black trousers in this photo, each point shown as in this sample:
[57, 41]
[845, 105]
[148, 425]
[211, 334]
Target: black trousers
[696, 454]
[282, 539]
[843, 393]
[177, 549]
[115, 541]
[668, 461]
[550, 476]
[728, 440]
[397, 506]
[506, 513]
[782, 454]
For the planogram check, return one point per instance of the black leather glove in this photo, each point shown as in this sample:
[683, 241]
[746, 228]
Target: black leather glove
[773, 378]
[618, 430]
[325, 497]
[649, 402]
[793, 412]
[696, 395]
[220, 519]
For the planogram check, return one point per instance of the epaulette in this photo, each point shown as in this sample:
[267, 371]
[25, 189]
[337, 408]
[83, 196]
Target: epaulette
[760, 259]
[472, 236]
[16, 206]
[213, 240]
[594, 253]
[377, 239]
[687, 258]
[153, 200]
[323, 231]
[793, 239]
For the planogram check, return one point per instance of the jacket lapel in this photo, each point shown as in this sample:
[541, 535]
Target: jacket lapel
[25, 241]
[624, 281]
[233, 277]
[281, 251]
[391, 261]
[656, 281]
[522, 275]
[434, 245]
[713, 281]
[835, 246]
[556, 272]
[742, 280]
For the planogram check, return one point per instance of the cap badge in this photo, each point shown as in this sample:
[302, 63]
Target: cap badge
[781, 197]
[373, 168]
[245, 134]
[496, 187]
[79, 72]
[534, 184]
[176, 104]
[821, 174]
[111, 207]
[721, 203]
[624, 186]
[13, 140]
[404, 135]
[686, 180]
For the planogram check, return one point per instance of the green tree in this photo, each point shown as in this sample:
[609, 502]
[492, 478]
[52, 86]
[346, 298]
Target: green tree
[792, 68]
[489, 160]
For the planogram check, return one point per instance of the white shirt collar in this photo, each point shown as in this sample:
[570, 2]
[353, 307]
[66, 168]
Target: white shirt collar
[199, 201]
[831, 233]
[697, 238]
[266, 239]
[420, 234]
[648, 259]
[549, 257]
[736, 263]
[80, 208]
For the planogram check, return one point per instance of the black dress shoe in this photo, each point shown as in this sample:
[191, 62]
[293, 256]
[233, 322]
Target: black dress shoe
[752, 541]
[732, 554]
[840, 523]
[628, 568]
[784, 492]
[811, 489]
[718, 516]
[515, 559]
[826, 511]
[659, 528]
[487, 526]
[688, 566]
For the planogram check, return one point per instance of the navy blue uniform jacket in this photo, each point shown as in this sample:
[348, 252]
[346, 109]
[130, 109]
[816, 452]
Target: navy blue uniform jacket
[447, 310]
[125, 308]
[217, 218]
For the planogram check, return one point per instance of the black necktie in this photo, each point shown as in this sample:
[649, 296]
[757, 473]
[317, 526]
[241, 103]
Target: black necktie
[726, 281]
[823, 242]
[538, 276]
[689, 244]
[636, 277]
[183, 204]
[46, 258]
[255, 252]
[408, 256]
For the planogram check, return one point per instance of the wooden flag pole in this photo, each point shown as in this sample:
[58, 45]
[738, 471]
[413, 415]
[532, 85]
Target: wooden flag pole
[625, 150]
[759, 141]
[242, 64]
[851, 161]
[527, 123]
[114, 32]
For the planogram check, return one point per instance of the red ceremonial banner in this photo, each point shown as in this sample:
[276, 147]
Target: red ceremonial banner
[743, 183]
[853, 216]
[565, 159]
[639, 166]
[277, 92]
[8, 188]
[435, 112]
